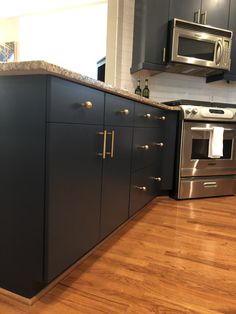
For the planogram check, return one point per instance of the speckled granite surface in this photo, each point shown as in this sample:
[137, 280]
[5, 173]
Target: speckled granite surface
[42, 67]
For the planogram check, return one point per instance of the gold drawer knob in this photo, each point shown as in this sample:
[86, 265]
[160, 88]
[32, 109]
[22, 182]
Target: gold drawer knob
[141, 188]
[147, 116]
[125, 112]
[161, 144]
[145, 147]
[87, 105]
[161, 118]
[157, 179]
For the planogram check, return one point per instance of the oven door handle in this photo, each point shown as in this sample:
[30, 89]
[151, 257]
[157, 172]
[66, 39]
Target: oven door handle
[207, 129]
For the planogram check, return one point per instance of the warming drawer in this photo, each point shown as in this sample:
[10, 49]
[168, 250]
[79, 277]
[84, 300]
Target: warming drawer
[207, 187]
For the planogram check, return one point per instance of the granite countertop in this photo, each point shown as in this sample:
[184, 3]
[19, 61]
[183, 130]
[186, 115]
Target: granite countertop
[42, 67]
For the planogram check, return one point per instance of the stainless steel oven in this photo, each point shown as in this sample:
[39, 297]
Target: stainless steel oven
[194, 152]
[197, 174]
[199, 45]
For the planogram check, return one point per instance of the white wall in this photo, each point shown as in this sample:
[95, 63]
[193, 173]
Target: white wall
[74, 38]
[164, 86]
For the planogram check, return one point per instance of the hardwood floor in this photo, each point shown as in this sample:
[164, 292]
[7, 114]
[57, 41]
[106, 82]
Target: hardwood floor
[173, 257]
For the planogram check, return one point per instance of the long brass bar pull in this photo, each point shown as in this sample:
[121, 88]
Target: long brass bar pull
[112, 143]
[104, 146]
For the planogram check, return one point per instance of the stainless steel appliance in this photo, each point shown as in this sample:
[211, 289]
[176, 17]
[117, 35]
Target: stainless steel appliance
[197, 174]
[198, 49]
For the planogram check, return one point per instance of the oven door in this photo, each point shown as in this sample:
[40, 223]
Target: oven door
[196, 48]
[194, 150]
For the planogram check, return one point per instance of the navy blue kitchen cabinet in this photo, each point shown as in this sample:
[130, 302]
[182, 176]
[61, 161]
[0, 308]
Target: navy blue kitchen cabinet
[22, 167]
[119, 115]
[153, 155]
[216, 13]
[231, 75]
[210, 12]
[150, 35]
[188, 10]
[73, 201]
[74, 167]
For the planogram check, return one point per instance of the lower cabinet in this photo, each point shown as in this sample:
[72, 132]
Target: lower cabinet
[116, 179]
[74, 172]
[145, 185]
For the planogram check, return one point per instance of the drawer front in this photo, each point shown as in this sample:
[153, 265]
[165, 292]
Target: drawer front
[118, 111]
[207, 187]
[148, 116]
[148, 147]
[145, 185]
[73, 103]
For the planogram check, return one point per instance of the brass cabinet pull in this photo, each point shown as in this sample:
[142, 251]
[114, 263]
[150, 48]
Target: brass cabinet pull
[204, 17]
[145, 147]
[104, 147]
[161, 144]
[112, 143]
[164, 55]
[125, 112]
[87, 105]
[147, 116]
[156, 179]
[141, 188]
[161, 118]
[196, 16]
[111, 153]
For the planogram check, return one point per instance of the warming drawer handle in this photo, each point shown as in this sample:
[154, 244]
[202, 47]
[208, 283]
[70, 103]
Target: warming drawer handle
[207, 129]
[208, 185]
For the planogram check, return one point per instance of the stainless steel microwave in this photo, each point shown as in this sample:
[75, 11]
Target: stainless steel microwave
[199, 45]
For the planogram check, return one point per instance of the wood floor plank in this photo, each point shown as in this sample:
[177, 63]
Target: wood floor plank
[174, 257]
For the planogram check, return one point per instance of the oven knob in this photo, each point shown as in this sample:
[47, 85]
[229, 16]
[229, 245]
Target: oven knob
[194, 111]
[188, 110]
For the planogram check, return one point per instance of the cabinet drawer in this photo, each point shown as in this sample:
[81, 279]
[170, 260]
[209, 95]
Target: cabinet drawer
[118, 111]
[145, 185]
[148, 116]
[73, 103]
[148, 147]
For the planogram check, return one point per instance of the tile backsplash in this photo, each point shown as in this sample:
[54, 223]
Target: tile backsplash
[165, 86]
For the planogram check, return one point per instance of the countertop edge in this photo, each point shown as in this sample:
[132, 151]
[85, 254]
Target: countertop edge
[46, 68]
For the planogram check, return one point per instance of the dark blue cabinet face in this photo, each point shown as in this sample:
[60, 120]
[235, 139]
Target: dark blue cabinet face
[67, 103]
[217, 12]
[118, 111]
[22, 168]
[116, 180]
[184, 9]
[74, 191]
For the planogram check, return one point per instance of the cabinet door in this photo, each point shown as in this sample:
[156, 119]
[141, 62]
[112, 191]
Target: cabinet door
[232, 27]
[73, 200]
[22, 167]
[157, 29]
[116, 180]
[144, 187]
[169, 151]
[217, 12]
[184, 9]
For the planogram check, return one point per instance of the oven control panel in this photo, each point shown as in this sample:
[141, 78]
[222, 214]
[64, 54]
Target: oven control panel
[208, 113]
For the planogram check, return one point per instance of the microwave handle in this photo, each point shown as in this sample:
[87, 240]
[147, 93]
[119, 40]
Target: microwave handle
[219, 51]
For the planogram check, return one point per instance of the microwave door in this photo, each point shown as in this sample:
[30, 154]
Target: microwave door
[196, 49]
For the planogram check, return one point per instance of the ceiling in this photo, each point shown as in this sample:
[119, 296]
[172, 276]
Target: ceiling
[24, 7]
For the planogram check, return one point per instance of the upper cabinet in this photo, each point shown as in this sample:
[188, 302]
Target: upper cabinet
[232, 26]
[210, 12]
[150, 35]
[188, 10]
[215, 13]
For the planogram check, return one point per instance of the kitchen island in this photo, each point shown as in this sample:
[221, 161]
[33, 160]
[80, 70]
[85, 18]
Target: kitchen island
[78, 159]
